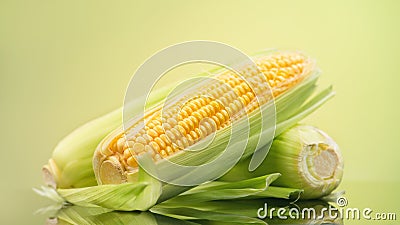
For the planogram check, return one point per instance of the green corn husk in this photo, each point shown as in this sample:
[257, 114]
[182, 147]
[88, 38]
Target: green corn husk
[141, 195]
[76, 215]
[291, 107]
[218, 212]
[71, 163]
[193, 213]
[307, 158]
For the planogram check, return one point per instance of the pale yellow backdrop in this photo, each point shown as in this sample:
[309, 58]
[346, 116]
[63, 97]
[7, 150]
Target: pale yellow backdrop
[65, 62]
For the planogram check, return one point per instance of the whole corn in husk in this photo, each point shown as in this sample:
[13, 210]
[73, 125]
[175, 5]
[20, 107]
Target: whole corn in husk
[307, 158]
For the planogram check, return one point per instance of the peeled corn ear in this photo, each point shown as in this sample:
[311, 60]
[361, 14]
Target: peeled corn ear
[171, 129]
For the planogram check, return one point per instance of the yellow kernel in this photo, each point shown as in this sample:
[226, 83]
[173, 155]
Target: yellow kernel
[203, 130]
[171, 136]
[127, 153]
[164, 154]
[211, 110]
[141, 140]
[281, 63]
[296, 69]
[159, 129]
[231, 83]
[172, 121]
[220, 117]
[147, 137]
[246, 99]
[233, 108]
[160, 142]
[274, 64]
[150, 125]
[215, 105]
[218, 92]
[194, 135]
[128, 144]
[202, 112]
[180, 117]
[250, 95]
[187, 109]
[185, 142]
[155, 146]
[238, 104]
[197, 103]
[165, 139]
[166, 126]
[197, 115]
[156, 122]
[114, 146]
[194, 120]
[225, 114]
[224, 101]
[193, 106]
[107, 151]
[242, 101]
[190, 140]
[189, 123]
[152, 133]
[132, 162]
[229, 111]
[138, 147]
[184, 113]
[213, 125]
[180, 145]
[120, 144]
[202, 101]
[245, 87]
[169, 150]
[240, 90]
[183, 127]
[177, 131]
[174, 147]
[150, 150]
[216, 120]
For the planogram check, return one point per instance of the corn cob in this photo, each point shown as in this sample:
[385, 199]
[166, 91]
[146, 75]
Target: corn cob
[197, 115]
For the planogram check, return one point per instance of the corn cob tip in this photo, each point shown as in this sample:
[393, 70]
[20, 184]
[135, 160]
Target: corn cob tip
[318, 161]
[49, 173]
[109, 171]
[326, 163]
[52, 221]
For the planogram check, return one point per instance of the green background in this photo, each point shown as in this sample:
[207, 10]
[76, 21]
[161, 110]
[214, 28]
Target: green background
[63, 63]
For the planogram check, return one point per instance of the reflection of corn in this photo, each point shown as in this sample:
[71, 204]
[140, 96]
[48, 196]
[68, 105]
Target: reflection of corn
[208, 107]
